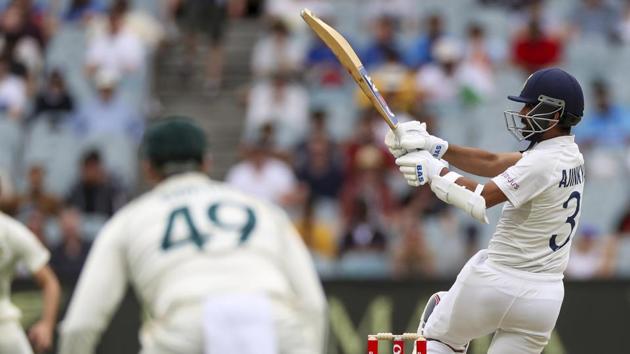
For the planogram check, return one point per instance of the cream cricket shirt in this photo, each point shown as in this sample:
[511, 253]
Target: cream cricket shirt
[17, 244]
[189, 238]
[544, 189]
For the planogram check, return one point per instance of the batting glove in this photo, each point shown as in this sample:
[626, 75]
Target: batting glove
[419, 167]
[413, 136]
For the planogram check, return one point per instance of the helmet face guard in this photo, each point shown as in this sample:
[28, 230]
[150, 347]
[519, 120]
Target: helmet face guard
[540, 119]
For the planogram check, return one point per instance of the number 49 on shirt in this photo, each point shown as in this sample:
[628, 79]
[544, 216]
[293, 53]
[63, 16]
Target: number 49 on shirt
[196, 237]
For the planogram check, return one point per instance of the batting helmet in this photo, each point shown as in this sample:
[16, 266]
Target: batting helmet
[550, 91]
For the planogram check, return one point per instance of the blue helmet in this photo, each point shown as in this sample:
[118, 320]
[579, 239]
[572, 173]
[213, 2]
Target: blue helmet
[549, 91]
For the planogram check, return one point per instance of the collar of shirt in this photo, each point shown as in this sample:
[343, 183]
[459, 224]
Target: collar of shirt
[557, 141]
[182, 179]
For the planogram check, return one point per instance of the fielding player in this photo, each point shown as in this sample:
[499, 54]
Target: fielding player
[514, 288]
[19, 245]
[217, 270]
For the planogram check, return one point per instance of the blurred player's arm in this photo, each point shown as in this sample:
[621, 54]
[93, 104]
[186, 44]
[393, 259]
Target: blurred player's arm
[303, 277]
[36, 257]
[41, 334]
[99, 291]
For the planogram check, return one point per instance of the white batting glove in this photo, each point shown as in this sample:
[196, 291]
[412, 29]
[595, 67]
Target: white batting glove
[419, 167]
[413, 136]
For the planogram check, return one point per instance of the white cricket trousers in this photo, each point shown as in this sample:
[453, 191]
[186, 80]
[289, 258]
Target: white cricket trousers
[521, 308]
[13, 339]
[195, 329]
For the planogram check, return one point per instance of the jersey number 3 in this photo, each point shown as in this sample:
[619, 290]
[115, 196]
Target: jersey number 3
[196, 237]
[570, 220]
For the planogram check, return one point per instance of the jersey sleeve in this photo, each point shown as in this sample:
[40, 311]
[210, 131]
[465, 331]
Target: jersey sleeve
[529, 177]
[100, 289]
[300, 271]
[30, 251]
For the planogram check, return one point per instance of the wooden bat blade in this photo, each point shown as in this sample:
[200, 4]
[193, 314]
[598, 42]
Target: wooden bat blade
[349, 59]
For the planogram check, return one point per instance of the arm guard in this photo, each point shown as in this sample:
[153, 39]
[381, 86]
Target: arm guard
[448, 191]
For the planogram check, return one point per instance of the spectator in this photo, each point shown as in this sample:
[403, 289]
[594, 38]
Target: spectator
[366, 134]
[617, 250]
[282, 103]
[83, 10]
[586, 255]
[317, 235]
[68, 257]
[439, 82]
[324, 69]
[35, 220]
[384, 39]
[479, 52]
[411, 255]
[534, 10]
[363, 245]
[36, 196]
[208, 18]
[96, 192]
[135, 21]
[535, 49]
[108, 112]
[363, 234]
[607, 124]
[421, 52]
[596, 18]
[13, 95]
[395, 82]
[264, 176]
[401, 10]
[277, 52]
[22, 23]
[7, 193]
[479, 61]
[449, 80]
[369, 186]
[624, 24]
[316, 161]
[117, 49]
[53, 100]
[286, 10]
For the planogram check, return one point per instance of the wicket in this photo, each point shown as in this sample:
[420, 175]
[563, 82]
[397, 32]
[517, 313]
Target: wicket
[398, 342]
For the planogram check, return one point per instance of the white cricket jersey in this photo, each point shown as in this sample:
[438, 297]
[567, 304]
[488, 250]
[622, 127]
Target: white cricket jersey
[185, 240]
[544, 189]
[17, 245]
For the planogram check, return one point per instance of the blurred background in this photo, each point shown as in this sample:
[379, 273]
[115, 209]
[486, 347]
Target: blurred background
[81, 79]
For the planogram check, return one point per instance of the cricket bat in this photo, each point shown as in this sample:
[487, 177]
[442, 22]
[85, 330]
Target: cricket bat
[349, 59]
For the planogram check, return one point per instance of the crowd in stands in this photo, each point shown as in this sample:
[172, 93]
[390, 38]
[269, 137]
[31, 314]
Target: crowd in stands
[74, 94]
[313, 144]
[73, 106]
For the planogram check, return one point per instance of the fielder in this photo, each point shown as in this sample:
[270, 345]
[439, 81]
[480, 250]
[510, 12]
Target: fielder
[514, 288]
[19, 246]
[217, 270]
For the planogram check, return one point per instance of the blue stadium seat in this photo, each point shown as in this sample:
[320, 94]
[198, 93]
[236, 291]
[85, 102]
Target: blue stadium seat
[605, 196]
[11, 136]
[55, 148]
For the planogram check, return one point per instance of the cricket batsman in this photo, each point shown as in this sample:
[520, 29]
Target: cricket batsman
[217, 270]
[18, 245]
[514, 288]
